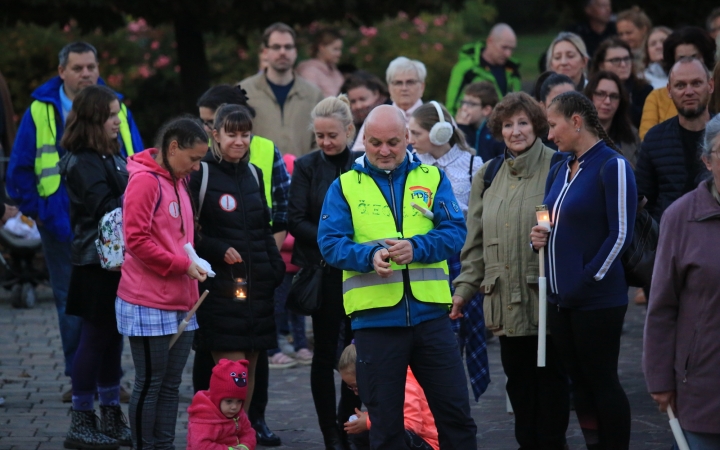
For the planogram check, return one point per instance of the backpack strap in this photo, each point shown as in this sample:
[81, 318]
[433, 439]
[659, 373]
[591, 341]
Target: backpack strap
[157, 205]
[203, 185]
[491, 172]
[254, 173]
[470, 172]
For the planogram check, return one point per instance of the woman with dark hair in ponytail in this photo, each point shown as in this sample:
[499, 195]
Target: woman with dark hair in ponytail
[592, 200]
[159, 285]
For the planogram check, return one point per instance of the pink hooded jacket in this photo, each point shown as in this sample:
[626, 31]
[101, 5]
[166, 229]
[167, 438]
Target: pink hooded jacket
[154, 273]
[209, 429]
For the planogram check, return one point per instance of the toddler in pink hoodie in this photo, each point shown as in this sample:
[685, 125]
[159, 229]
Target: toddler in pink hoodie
[216, 417]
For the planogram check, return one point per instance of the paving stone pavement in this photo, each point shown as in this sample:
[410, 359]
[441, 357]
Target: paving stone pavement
[33, 417]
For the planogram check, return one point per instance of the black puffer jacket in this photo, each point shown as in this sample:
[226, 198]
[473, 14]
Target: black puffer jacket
[235, 214]
[95, 186]
[661, 173]
[312, 176]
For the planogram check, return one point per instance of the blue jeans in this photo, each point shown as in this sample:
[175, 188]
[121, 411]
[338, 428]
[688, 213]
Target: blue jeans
[59, 265]
[701, 441]
[431, 351]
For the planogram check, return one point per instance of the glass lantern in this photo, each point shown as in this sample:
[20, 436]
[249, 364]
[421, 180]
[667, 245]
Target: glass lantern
[240, 289]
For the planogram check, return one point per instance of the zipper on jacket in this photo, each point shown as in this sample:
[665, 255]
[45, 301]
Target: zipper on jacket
[447, 212]
[406, 275]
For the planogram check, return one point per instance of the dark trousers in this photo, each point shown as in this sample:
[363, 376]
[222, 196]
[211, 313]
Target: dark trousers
[327, 322]
[588, 344]
[97, 359]
[431, 351]
[540, 396]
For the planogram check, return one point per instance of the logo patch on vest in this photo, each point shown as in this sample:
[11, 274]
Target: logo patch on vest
[174, 209]
[228, 203]
[421, 193]
[455, 206]
[325, 216]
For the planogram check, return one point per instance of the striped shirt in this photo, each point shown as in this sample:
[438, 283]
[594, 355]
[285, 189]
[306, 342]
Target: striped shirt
[136, 320]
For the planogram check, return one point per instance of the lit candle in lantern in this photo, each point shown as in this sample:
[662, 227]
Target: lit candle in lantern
[240, 289]
[543, 216]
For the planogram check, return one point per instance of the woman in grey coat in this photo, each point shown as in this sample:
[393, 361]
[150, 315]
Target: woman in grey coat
[681, 354]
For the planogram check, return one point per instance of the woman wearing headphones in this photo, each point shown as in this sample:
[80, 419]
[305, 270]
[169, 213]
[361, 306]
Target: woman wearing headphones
[439, 142]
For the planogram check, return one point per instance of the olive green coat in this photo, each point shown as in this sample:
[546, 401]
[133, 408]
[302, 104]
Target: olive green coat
[497, 257]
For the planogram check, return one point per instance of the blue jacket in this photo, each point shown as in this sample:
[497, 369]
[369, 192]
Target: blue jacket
[54, 211]
[593, 220]
[335, 233]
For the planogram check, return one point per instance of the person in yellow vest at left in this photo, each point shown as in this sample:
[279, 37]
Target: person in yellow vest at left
[264, 154]
[33, 176]
[390, 224]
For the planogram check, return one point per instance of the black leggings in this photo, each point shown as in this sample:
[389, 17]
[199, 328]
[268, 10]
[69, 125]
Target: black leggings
[326, 330]
[588, 344]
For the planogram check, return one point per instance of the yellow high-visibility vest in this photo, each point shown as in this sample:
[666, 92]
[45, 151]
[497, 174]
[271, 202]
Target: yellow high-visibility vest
[262, 154]
[373, 222]
[46, 155]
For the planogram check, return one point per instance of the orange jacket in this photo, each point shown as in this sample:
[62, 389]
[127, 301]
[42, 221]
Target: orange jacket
[658, 108]
[418, 417]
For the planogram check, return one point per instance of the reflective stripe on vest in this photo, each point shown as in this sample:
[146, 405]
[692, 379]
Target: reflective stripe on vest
[373, 222]
[46, 154]
[262, 154]
[125, 134]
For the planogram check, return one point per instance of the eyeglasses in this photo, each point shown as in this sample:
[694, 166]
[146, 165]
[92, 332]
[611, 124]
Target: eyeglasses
[617, 62]
[602, 95]
[470, 104]
[278, 47]
[401, 83]
[208, 123]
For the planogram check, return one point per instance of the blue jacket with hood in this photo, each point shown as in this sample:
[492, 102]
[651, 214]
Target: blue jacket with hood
[335, 233]
[53, 211]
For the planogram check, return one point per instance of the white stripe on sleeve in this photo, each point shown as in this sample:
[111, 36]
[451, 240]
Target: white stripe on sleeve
[622, 219]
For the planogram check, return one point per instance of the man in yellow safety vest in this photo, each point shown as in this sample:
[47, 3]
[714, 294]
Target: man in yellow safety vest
[33, 176]
[390, 224]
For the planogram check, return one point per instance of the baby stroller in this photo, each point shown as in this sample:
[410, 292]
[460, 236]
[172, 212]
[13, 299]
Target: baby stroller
[21, 276]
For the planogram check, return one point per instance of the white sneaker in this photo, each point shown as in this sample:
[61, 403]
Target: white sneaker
[281, 361]
[304, 356]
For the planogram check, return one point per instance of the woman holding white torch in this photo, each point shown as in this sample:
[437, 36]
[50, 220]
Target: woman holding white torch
[498, 261]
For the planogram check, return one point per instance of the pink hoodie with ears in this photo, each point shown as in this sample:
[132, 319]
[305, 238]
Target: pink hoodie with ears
[156, 226]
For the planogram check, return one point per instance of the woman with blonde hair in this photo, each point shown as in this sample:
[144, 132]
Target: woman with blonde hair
[654, 71]
[633, 27]
[567, 55]
[332, 123]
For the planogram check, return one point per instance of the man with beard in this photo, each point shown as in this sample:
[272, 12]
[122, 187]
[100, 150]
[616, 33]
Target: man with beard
[282, 101]
[365, 91]
[669, 163]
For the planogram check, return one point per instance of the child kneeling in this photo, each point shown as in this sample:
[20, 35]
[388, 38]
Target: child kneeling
[420, 430]
[216, 418]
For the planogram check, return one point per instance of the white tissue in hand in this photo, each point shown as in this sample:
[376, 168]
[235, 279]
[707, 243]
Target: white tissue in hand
[204, 265]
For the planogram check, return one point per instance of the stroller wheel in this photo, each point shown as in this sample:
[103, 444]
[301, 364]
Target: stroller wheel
[28, 296]
[16, 295]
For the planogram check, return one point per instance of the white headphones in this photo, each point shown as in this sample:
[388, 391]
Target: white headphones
[441, 132]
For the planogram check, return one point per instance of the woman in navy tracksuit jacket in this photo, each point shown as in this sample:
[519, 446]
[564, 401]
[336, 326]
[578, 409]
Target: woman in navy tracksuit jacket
[592, 200]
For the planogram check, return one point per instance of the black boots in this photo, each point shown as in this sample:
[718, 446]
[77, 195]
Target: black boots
[84, 433]
[333, 439]
[263, 434]
[114, 425]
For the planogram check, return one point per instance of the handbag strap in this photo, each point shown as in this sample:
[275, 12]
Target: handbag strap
[203, 186]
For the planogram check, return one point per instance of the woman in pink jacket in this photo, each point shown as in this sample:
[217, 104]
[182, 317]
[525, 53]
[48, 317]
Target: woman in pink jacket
[159, 282]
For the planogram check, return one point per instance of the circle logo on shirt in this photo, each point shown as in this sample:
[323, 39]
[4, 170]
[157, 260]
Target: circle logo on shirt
[174, 209]
[228, 203]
